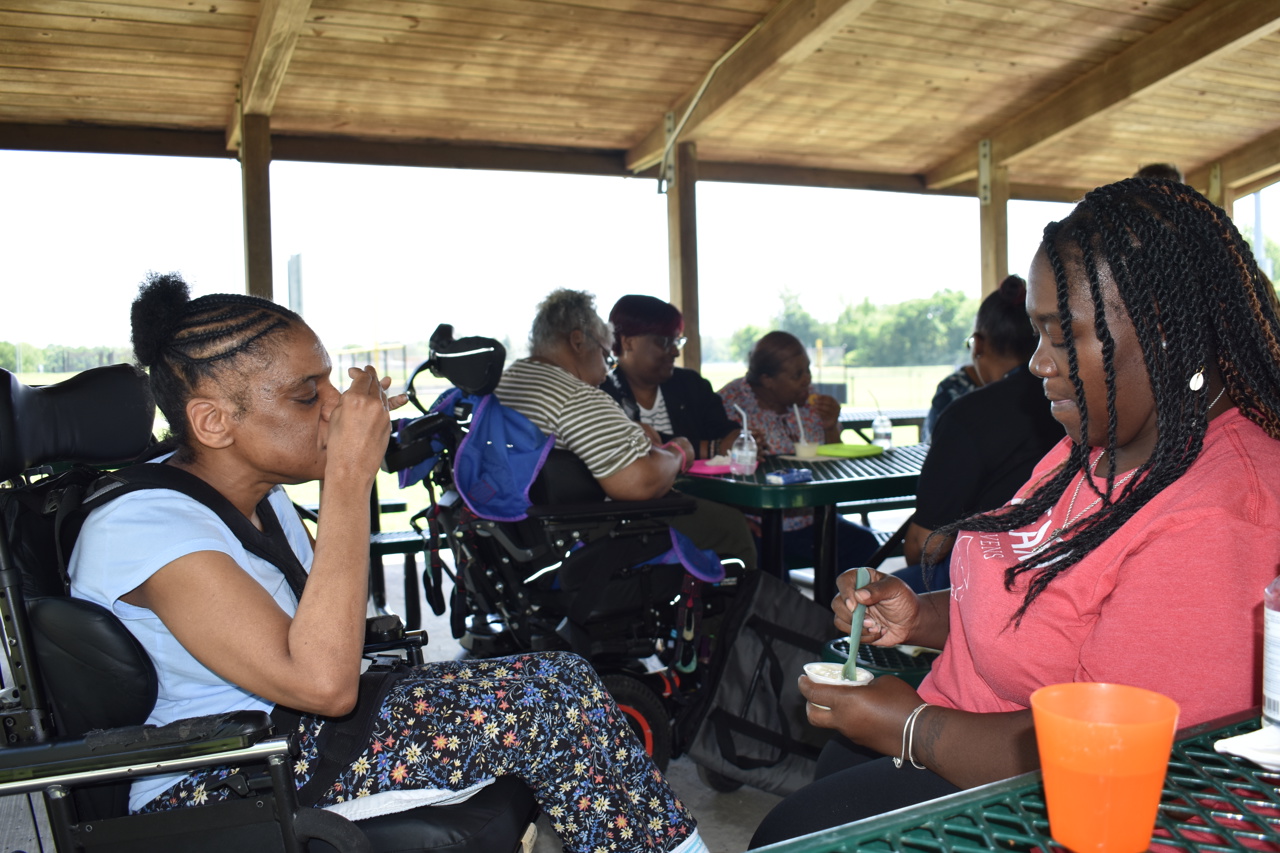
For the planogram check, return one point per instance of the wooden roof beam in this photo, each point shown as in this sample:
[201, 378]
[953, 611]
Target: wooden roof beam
[1246, 169]
[274, 37]
[788, 35]
[1210, 30]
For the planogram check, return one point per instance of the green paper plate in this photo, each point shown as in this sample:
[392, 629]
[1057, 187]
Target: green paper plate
[850, 451]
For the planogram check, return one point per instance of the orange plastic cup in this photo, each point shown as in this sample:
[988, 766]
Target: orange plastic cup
[1104, 751]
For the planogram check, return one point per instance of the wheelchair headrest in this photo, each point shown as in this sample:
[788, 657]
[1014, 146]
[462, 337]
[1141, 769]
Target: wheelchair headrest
[472, 364]
[103, 416]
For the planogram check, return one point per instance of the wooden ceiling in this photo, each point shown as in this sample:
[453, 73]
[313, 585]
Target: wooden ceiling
[890, 94]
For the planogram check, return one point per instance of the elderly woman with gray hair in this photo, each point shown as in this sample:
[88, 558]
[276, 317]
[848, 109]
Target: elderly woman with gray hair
[557, 388]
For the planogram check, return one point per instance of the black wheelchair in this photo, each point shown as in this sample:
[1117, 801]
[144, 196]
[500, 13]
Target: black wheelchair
[577, 574]
[75, 686]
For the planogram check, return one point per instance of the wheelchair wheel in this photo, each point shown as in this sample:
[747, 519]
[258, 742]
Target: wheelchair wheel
[718, 781]
[646, 714]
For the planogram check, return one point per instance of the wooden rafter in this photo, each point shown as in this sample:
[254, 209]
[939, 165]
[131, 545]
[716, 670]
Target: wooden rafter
[1248, 167]
[788, 35]
[274, 37]
[1210, 30]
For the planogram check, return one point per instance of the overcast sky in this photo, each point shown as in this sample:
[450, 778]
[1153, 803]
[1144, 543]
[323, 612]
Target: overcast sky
[388, 253]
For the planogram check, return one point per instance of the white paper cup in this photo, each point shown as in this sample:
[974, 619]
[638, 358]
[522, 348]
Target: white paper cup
[825, 672]
[805, 450]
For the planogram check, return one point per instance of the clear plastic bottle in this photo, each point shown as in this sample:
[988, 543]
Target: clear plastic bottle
[742, 458]
[1271, 654]
[882, 431]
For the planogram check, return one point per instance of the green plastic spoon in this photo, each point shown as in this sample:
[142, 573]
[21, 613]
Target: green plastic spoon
[850, 671]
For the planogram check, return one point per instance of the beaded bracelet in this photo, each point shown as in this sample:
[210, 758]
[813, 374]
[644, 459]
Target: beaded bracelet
[908, 738]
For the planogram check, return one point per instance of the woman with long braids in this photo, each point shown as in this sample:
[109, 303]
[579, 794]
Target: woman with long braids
[245, 386]
[1149, 530]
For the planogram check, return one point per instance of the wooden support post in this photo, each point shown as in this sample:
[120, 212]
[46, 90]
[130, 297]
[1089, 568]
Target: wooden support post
[682, 243]
[993, 198]
[255, 181]
[1220, 192]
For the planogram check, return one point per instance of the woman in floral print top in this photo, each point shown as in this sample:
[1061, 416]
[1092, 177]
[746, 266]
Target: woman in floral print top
[777, 380]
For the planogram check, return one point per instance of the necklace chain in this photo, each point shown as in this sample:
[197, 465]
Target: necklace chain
[1217, 398]
[1071, 506]
[1057, 534]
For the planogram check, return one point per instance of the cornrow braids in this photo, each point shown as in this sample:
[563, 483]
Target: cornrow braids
[185, 342]
[1190, 286]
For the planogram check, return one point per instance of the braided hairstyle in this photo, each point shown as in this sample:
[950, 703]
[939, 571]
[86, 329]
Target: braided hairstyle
[1193, 292]
[184, 342]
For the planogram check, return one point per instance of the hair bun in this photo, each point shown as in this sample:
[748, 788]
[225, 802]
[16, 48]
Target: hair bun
[163, 300]
[1014, 289]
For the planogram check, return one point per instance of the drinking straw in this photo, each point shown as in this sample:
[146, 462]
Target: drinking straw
[799, 424]
[744, 417]
[850, 671]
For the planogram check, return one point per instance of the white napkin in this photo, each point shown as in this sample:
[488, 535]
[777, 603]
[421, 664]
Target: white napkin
[1262, 747]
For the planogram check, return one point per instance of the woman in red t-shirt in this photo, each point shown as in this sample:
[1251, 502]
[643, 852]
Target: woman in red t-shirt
[1159, 353]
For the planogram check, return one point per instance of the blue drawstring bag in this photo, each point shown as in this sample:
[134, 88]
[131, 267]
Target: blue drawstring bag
[702, 563]
[498, 460]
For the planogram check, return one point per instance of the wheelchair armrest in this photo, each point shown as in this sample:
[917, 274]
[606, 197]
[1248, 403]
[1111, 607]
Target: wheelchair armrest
[665, 507]
[385, 637]
[132, 751]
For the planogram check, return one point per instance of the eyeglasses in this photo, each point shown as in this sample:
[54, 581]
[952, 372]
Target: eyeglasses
[667, 343]
[968, 342]
[610, 360]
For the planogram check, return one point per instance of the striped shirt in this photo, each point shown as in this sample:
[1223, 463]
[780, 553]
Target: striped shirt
[582, 419]
[657, 417]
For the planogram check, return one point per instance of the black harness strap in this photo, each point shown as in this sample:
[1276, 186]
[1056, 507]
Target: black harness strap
[269, 543]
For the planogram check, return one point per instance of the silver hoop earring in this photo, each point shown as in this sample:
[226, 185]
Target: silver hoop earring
[1197, 380]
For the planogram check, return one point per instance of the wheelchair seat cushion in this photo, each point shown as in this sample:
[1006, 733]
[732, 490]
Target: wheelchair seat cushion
[493, 819]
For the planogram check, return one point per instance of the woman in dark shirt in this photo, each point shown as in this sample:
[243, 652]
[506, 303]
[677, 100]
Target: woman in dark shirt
[668, 400]
[988, 441]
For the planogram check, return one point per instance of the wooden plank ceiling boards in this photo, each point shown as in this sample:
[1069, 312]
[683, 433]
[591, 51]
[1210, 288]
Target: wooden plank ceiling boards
[893, 94]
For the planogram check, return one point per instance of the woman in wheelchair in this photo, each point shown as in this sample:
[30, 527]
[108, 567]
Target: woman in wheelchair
[557, 388]
[245, 387]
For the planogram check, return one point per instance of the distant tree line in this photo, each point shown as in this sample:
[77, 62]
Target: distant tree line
[59, 359]
[914, 332]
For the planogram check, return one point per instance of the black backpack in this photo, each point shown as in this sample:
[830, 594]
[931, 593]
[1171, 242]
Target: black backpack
[749, 724]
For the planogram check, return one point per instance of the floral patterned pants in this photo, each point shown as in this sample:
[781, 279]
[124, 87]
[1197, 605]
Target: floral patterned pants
[544, 718]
